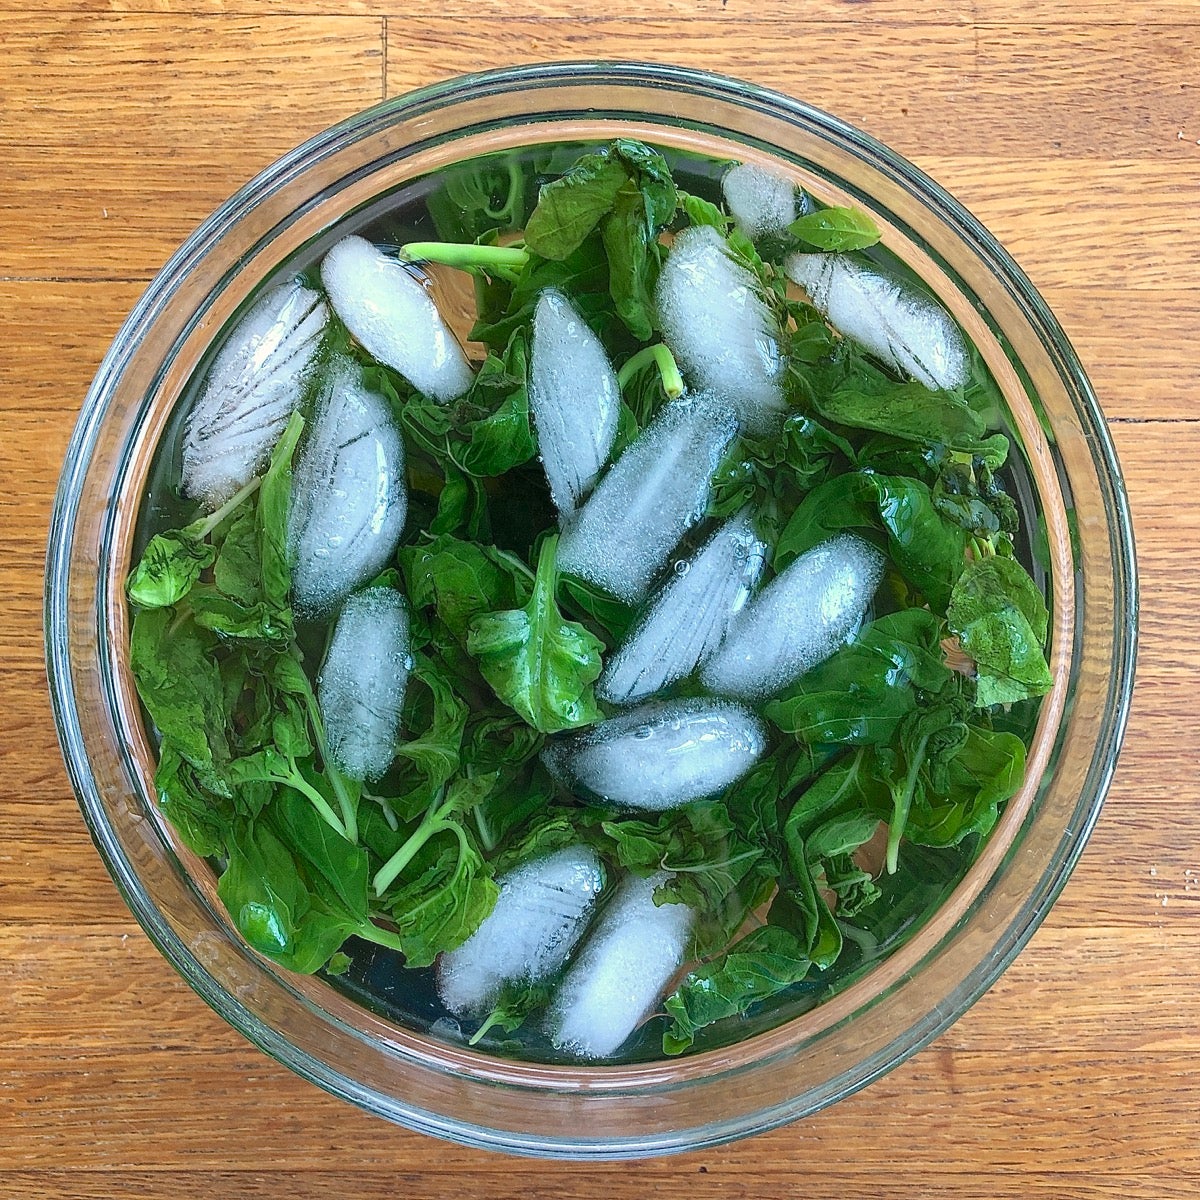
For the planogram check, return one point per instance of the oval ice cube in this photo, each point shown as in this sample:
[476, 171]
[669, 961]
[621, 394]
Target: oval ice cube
[622, 971]
[574, 398]
[348, 492]
[762, 202]
[541, 913]
[386, 307]
[898, 323]
[660, 756]
[719, 327]
[361, 687]
[653, 494]
[688, 617]
[251, 390]
[798, 620]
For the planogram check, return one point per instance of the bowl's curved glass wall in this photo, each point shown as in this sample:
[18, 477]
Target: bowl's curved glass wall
[784, 1072]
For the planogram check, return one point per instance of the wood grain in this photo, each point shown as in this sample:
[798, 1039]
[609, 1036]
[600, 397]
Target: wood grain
[844, 12]
[1021, 92]
[1069, 127]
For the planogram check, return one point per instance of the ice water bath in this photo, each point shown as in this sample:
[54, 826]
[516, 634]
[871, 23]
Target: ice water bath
[590, 607]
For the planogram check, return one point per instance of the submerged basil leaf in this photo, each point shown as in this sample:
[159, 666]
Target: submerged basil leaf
[1001, 621]
[927, 548]
[836, 229]
[179, 683]
[538, 663]
[862, 693]
[169, 566]
[760, 965]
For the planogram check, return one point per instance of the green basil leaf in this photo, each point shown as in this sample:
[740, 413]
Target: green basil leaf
[539, 664]
[179, 683]
[1001, 621]
[836, 229]
[169, 566]
[862, 693]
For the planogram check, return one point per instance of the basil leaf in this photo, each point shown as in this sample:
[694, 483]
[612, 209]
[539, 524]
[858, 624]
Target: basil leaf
[340, 863]
[200, 816]
[571, 207]
[836, 229]
[179, 683]
[459, 580]
[758, 966]
[169, 566]
[862, 693]
[927, 548]
[908, 411]
[536, 662]
[1001, 621]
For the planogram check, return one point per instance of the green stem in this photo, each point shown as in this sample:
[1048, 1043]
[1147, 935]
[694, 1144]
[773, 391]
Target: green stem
[209, 523]
[297, 782]
[381, 937]
[506, 261]
[477, 1036]
[663, 359]
[486, 837]
[901, 803]
[433, 823]
[700, 868]
[345, 803]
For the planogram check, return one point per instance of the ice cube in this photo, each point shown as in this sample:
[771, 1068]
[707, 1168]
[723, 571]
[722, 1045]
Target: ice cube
[688, 617]
[388, 310]
[622, 971]
[902, 326]
[574, 398]
[541, 913]
[649, 499]
[762, 202]
[362, 682]
[252, 388]
[798, 620]
[660, 756]
[348, 492]
[719, 327]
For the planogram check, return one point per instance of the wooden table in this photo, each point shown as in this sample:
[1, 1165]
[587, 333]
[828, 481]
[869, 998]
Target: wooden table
[1071, 127]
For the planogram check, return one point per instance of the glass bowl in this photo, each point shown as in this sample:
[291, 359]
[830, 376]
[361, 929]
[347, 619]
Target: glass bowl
[783, 1072]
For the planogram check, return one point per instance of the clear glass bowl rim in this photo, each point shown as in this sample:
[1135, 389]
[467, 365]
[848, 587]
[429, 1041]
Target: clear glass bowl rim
[540, 76]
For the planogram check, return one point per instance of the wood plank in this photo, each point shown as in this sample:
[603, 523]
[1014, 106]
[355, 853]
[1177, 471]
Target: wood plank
[1059, 993]
[1117, 226]
[801, 11]
[844, 12]
[1084, 91]
[145, 124]
[976, 1112]
[697, 1175]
